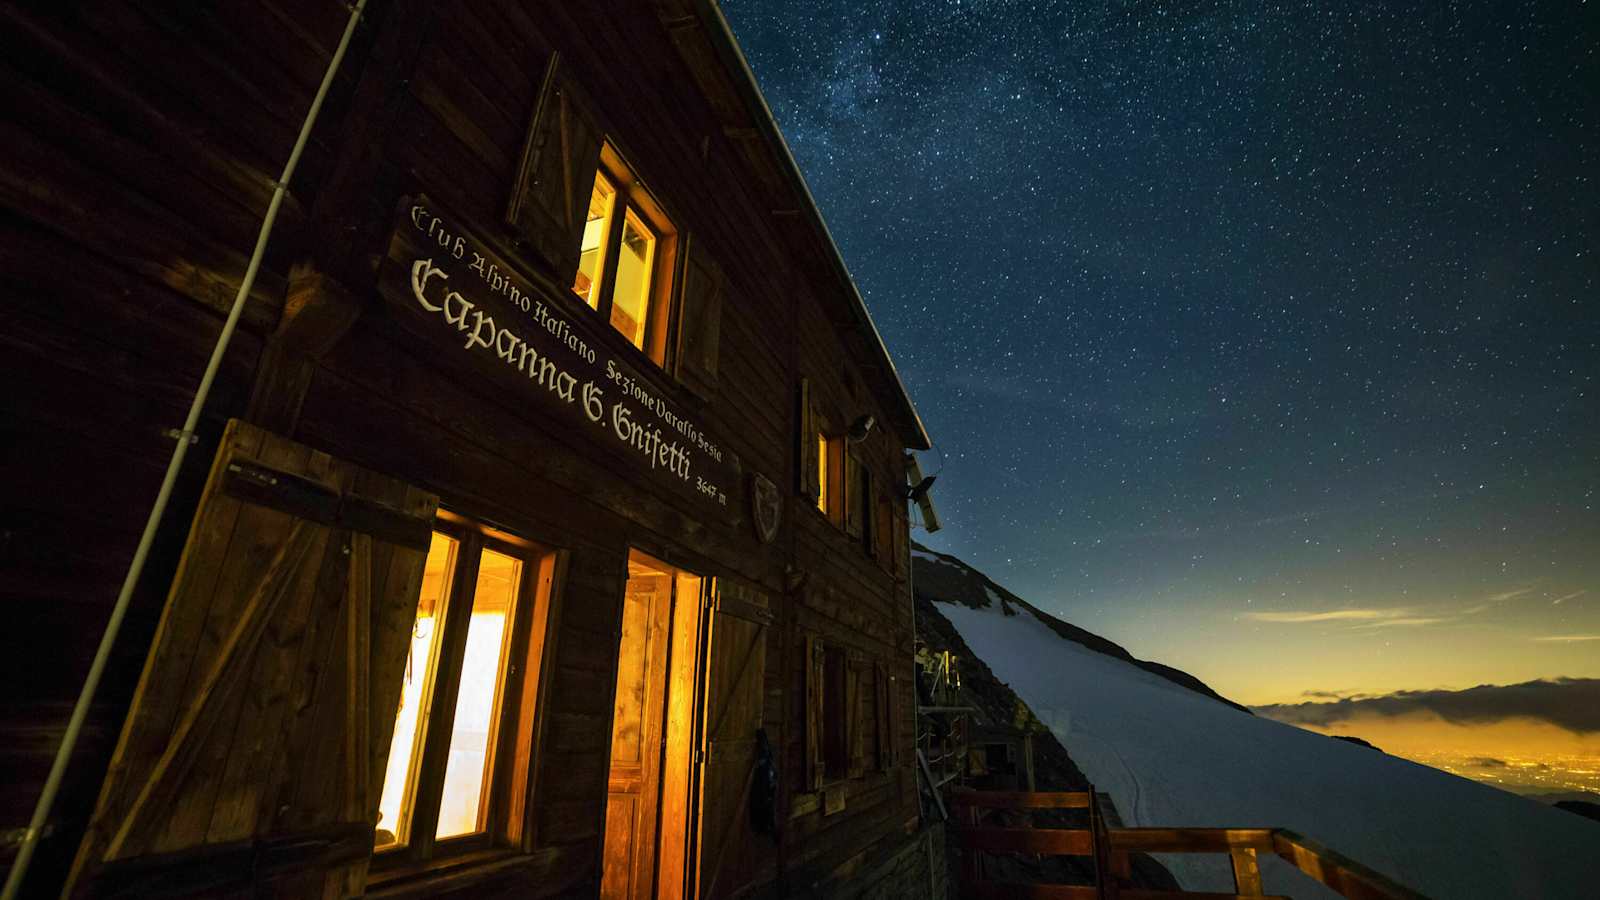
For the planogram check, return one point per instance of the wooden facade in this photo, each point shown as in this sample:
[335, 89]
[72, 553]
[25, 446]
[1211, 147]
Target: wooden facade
[413, 361]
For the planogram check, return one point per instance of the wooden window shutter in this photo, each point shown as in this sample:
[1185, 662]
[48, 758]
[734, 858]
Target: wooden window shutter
[855, 719]
[555, 174]
[880, 710]
[735, 692]
[852, 494]
[869, 513]
[816, 765]
[899, 534]
[883, 532]
[806, 449]
[700, 321]
[261, 724]
[892, 717]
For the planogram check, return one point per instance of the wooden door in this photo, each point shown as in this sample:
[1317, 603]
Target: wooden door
[733, 680]
[252, 756]
[634, 783]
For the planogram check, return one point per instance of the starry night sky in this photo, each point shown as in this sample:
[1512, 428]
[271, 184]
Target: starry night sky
[1259, 337]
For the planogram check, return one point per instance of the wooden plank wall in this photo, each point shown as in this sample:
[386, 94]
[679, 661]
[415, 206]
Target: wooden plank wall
[141, 144]
[854, 601]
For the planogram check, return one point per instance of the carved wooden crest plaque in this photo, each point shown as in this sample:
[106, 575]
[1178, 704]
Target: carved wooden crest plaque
[766, 507]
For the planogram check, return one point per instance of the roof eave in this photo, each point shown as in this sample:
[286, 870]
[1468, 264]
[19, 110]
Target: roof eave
[728, 51]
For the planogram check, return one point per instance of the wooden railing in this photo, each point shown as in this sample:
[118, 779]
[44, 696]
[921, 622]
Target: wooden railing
[1110, 848]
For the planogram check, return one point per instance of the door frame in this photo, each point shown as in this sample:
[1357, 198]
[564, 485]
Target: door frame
[675, 814]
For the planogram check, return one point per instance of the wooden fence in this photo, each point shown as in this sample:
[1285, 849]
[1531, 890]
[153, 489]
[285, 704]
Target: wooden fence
[1109, 849]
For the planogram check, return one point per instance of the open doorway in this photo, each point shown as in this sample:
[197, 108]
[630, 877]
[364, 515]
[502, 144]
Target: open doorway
[648, 793]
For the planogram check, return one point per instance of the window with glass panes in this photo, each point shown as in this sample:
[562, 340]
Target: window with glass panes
[625, 269]
[482, 599]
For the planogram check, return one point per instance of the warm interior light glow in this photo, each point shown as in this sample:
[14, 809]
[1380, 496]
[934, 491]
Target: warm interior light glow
[631, 299]
[395, 805]
[602, 200]
[472, 735]
[652, 731]
[822, 472]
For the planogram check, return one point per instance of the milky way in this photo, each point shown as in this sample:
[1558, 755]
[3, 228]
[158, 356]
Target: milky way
[1216, 309]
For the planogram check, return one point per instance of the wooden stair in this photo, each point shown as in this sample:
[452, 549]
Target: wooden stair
[1109, 848]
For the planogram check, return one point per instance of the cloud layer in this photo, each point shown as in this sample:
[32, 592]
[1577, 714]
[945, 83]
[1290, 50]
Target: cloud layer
[1569, 703]
[1336, 615]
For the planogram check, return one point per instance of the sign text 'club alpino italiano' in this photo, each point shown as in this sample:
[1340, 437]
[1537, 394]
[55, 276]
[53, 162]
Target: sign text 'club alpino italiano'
[453, 288]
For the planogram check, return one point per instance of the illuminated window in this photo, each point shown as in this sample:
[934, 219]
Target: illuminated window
[602, 202]
[398, 800]
[470, 765]
[831, 477]
[631, 299]
[822, 472]
[625, 271]
[460, 727]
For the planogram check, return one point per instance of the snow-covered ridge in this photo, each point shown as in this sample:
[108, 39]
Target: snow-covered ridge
[1169, 755]
[943, 578]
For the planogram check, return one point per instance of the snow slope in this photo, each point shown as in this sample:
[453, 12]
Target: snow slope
[1171, 756]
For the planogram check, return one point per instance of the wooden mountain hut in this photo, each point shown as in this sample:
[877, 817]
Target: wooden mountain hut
[543, 528]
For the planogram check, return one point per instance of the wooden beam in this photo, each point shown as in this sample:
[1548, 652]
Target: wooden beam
[1051, 841]
[1246, 871]
[991, 890]
[317, 312]
[217, 869]
[1134, 894]
[1190, 840]
[1350, 878]
[349, 219]
[1022, 799]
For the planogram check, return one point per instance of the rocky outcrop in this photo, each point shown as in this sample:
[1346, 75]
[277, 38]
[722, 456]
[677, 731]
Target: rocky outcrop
[995, 703]
[1580, 808]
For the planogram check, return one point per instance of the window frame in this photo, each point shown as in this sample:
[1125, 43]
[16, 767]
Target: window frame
[883, 530]
[839, 716]
[632, 197]
[835, 715]
[833, 489]
[515, 715]
[850, 495]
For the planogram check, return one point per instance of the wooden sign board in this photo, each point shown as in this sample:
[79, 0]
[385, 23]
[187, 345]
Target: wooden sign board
[449, 288]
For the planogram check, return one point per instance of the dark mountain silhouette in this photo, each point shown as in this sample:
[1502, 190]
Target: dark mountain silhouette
[993, 703]
[941, 577]
[1579, 807]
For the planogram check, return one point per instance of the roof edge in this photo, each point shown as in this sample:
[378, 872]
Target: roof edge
[744, 79]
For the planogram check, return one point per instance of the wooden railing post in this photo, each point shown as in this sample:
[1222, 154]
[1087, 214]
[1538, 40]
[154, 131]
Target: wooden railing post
[1121, 866]
[1246, 872]
[1109, 847]
[971, 868]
